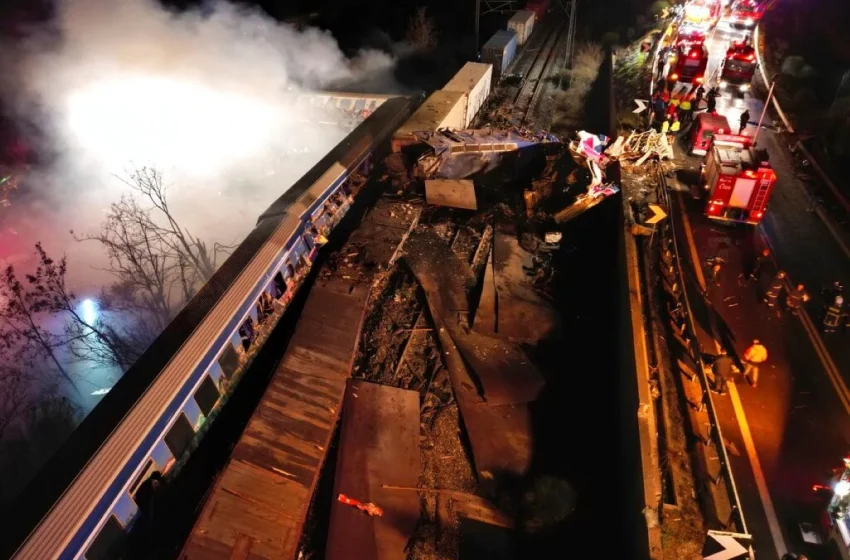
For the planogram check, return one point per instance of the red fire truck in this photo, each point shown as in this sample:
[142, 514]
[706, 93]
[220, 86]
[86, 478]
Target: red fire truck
[705, 126]
[690, 35]
[738, 180]
[688, 64]
[704, 13]
[738, 67]
[745, 14]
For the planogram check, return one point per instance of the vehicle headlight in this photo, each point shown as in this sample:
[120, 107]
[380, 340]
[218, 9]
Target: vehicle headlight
[722, 83]
[748, 21]
[745, 87]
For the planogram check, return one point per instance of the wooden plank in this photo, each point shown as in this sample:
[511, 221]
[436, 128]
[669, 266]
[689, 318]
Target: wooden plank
[450, 192]
[379, 445]
[506, 374]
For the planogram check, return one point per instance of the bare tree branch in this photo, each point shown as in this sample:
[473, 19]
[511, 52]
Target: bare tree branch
[421, 30]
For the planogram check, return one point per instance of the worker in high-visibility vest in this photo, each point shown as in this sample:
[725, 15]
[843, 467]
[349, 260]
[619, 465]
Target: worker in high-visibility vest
[795, 298]
[754, 356]
[832, 317]
[771, 296]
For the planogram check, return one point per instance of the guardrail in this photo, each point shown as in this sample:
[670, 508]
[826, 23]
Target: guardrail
[684, 331]
[693, 368]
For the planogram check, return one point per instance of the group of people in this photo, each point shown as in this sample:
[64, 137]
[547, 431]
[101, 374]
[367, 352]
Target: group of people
[671, 111]
[834, 315]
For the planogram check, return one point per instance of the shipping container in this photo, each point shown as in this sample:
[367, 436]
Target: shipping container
[474, 80]
[499, 51]
[522, 23]
[539, 7]
[443, 109]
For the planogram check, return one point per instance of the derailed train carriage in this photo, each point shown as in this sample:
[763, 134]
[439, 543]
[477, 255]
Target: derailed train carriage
[83, 502]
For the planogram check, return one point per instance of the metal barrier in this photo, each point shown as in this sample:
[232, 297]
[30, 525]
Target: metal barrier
[720, 484]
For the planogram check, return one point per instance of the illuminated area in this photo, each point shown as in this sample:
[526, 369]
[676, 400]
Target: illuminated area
[174, 123]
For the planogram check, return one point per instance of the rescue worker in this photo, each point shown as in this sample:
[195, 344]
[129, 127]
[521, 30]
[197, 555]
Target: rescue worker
[832, 317]
[795, 297]
[675, 127]
[722, 368]
[758, 264]
[673, 107]
[754, 356]
[835, 290]
[711, 100]
[772, 294]
[745, 119]
[686, 110]
[714, 267]
[698, 95]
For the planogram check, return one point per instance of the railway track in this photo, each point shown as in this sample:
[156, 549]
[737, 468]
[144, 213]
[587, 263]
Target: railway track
[538, 72]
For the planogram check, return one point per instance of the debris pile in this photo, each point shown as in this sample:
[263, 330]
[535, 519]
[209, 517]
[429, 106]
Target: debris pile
[640, 147]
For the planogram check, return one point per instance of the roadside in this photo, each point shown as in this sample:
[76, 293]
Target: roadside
[786, 433]
[680, 507]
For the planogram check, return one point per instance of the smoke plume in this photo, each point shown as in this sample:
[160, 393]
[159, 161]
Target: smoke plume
[206, 97]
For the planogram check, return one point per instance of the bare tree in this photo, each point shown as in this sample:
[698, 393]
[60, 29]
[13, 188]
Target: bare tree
[164, 227]
[95, 341]
[23, 311]
[421, 31]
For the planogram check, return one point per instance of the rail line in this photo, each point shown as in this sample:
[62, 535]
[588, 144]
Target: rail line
[537, 73]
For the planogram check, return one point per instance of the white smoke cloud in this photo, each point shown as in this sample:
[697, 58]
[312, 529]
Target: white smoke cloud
[206, 97]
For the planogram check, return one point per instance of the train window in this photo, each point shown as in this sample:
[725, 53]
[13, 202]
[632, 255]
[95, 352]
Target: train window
[149, 468]
[308, 240]
[206, 395]
[106, 542]
[229, 361]
[179, 436]
[279, 285]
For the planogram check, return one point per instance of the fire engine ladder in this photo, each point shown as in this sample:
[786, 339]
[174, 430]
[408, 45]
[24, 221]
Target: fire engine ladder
[761, 195]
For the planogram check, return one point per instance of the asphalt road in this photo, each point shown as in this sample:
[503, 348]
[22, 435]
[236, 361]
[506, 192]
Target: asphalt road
[787, 433]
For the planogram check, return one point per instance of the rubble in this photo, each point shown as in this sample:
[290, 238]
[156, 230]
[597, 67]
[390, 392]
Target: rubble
[640, 147]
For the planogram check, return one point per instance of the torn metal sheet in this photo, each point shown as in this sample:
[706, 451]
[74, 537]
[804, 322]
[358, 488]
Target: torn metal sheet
[452, 193]
[483, 140]
[504, 371]
[379, 446]
[521, 313]
[500, 436]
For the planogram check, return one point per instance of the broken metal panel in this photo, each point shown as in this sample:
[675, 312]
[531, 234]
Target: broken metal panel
[504, 371]
[379, 446]
[521, 313]
[453, 193]
[500, 436]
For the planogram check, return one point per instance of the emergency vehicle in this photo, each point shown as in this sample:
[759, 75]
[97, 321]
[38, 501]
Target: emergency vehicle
[739, 67]
[745, 14]
[738, 180]
[702, 13]
[705, 126]
[836, 522]
[690, 36]
[688, 64]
